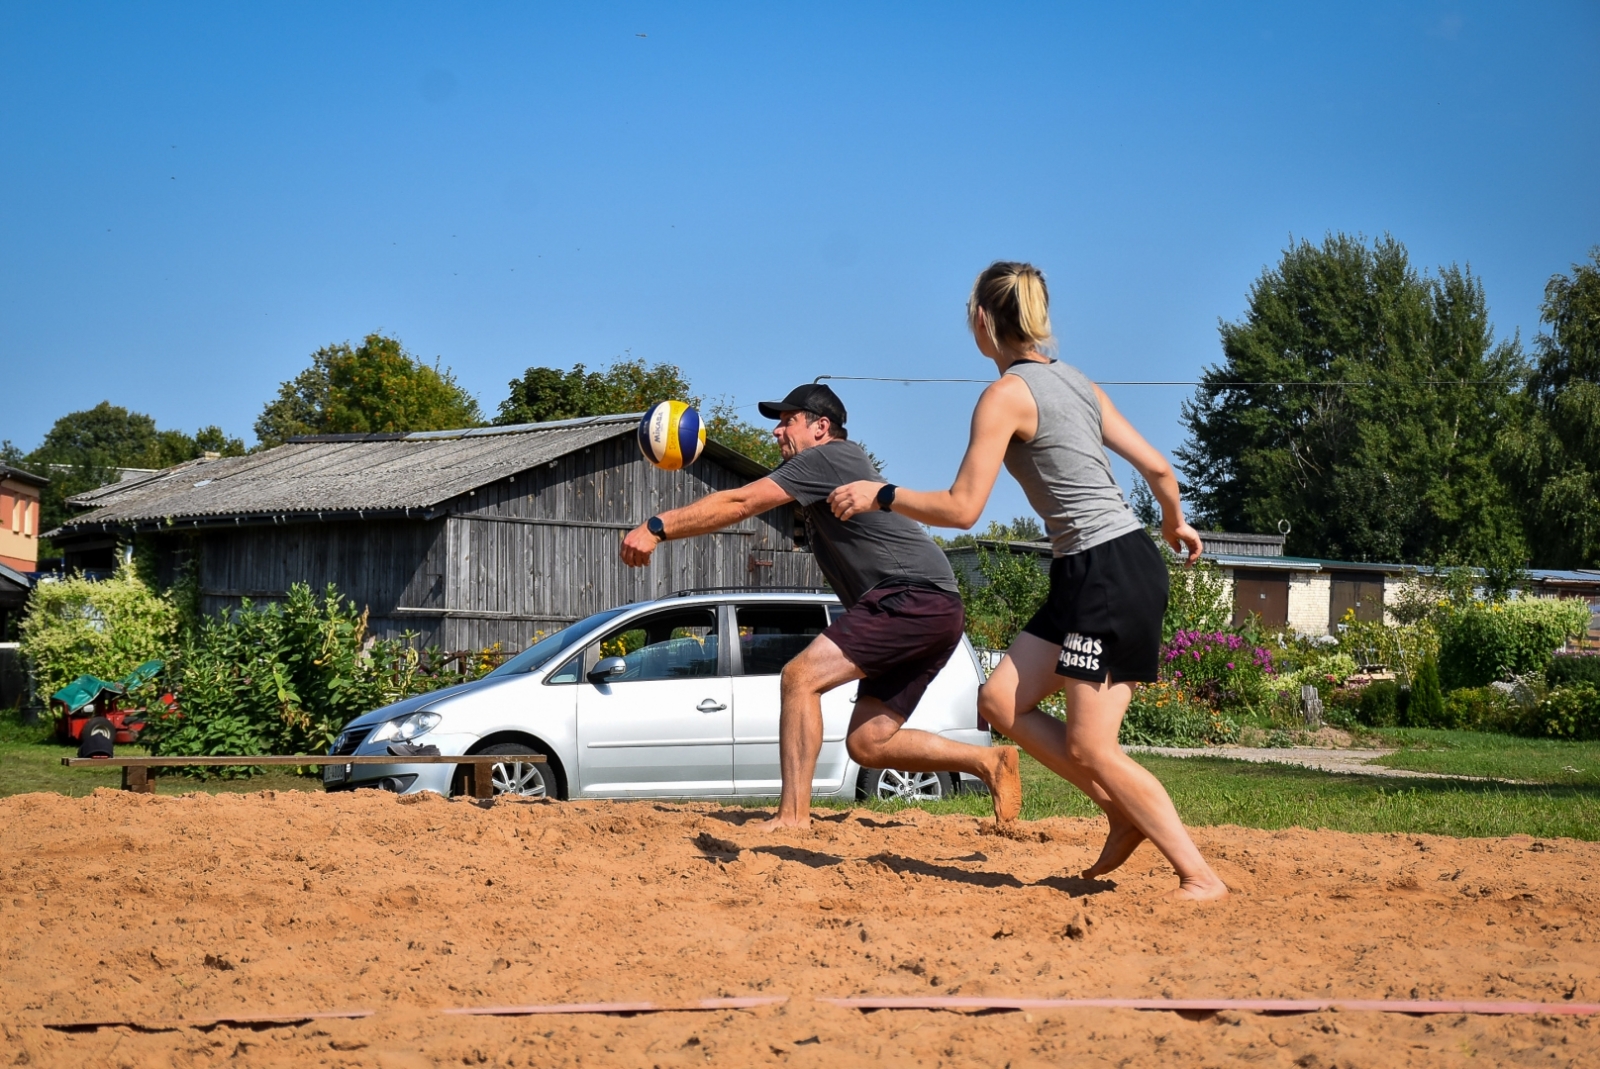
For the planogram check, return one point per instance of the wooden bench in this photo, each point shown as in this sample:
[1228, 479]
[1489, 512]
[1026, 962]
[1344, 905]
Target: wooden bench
[138, 773]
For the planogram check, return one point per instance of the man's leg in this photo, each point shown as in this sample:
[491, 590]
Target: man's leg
[877, 739]
[819, 668]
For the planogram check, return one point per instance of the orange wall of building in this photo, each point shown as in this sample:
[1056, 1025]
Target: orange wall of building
[19, 525]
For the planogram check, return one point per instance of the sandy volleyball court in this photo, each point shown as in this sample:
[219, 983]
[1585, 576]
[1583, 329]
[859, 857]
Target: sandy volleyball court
[138, 908]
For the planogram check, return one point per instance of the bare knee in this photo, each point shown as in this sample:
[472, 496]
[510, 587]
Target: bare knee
[998, 710]
[1090, 755]
[866, 745]
[796, 679]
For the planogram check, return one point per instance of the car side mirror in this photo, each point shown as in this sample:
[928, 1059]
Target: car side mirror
[608, 669]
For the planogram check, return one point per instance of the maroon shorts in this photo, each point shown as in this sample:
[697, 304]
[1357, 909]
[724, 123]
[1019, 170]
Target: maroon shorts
[900, 636]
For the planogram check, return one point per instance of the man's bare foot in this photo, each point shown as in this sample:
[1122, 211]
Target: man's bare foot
[1004, 781]
[782, 823]
[1208, 888]
[1121, 841]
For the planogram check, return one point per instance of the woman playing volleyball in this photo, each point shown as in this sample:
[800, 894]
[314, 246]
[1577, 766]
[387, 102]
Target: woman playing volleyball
[1099, 632]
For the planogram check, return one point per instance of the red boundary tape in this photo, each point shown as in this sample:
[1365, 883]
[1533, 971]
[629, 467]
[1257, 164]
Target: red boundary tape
[620, 1007]
[1283, 1005]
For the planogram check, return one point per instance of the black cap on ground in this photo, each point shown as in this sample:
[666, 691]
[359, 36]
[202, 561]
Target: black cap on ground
[812, 397]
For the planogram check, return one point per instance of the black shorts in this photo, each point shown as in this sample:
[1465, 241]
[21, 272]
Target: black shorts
[900, 636]
[1105, 609]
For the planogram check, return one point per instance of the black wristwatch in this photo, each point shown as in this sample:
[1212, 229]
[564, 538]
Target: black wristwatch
[656, 527]
[886, 497]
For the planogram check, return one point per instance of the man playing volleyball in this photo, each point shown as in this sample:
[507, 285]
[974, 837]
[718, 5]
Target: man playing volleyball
[902, 622]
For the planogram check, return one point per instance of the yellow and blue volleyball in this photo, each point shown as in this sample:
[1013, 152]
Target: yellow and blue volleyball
[671, 435]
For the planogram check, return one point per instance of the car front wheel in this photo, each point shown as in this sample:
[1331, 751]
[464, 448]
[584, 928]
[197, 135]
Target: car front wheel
[889, 785]
[522, 779]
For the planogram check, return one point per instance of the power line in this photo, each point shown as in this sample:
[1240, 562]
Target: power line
[1194, 382]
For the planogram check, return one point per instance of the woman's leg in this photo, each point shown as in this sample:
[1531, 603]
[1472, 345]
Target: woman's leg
[1094, 716]
[1009, 702]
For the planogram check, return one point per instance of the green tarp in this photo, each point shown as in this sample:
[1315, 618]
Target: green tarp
[85, 689]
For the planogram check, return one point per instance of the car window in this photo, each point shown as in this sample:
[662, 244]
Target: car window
[570, 672]
[770, 636]
[535, 656]
[680, 644]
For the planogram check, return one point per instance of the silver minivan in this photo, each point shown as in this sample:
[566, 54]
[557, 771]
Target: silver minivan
[676, 698]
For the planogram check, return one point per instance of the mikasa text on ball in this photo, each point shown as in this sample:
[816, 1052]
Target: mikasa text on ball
[671, 435]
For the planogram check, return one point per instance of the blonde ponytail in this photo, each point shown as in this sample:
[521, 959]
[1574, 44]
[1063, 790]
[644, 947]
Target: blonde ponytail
[1016, 307]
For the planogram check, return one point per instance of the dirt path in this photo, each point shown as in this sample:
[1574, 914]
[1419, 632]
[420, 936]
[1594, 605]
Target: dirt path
[122, 906]
[1344, 762]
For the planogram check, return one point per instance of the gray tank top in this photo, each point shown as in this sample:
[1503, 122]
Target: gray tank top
[1064, 470]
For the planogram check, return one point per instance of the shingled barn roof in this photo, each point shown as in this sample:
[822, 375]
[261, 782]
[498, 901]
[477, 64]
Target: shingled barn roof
[350, 475]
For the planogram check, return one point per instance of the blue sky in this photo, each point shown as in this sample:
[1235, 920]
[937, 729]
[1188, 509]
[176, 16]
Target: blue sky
[193, 199]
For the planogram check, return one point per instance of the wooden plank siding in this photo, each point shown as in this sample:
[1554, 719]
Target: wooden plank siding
[505, 561]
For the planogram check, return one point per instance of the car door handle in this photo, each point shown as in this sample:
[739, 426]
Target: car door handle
[710, 706]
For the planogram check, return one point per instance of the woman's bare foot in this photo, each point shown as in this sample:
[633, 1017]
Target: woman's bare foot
[1206, 888]
[1121, 841]
[782, 823]
[1004, 780]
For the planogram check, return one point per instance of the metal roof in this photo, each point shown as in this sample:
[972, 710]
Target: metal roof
[8, 472]
[344, 475]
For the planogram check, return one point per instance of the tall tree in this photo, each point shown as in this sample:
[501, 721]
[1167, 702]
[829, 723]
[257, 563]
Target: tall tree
[1360, 402]
[83, 449]
[376, 387]
[545, 394]
[1557, 456]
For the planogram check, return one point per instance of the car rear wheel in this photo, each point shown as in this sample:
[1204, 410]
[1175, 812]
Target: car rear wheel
[891, 785]
[523, 779]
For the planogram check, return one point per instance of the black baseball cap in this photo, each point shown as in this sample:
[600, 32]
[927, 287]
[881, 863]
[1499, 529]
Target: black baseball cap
[812, 397]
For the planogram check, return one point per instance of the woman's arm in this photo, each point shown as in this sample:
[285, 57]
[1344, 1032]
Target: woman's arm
[1005, 408]
[1120, 437]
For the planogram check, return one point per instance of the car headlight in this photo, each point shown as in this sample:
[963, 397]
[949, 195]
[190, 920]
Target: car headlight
[406, 727]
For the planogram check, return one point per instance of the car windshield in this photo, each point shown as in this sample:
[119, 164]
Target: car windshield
[537, 655]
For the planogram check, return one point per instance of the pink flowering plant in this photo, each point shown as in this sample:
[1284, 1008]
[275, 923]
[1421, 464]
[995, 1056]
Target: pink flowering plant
[1219, 668]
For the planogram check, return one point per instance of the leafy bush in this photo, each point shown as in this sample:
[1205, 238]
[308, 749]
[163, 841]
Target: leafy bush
[1426, 708]
[1197, 597]
[282, 679]
[1573, 668]
[1218, 668]
[1484, 709]
[108, 628]
[1571, 712]
[1479, 643]
[1162, 714]
[1013, 588]
[1383, 704]
[1401, 648]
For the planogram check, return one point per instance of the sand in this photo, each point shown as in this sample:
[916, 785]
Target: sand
[129, 907]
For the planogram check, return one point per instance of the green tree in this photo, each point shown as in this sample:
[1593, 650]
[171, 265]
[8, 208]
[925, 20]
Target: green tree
[83, 449]
[545, 394]
[1557, 455]
[1399, 467]
[376, 387]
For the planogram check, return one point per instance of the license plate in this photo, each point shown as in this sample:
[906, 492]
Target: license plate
[335, 774]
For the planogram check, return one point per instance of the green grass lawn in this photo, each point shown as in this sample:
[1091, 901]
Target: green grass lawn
[30, 760]
[1472, 753]
[1206, 790]
[1210, 790]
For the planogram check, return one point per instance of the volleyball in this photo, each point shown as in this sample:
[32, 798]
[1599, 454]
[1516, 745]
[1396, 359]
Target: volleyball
[671, 435]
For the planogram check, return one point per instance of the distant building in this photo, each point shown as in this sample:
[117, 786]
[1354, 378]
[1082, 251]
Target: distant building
[466, 538]
[1308, 594]
[19, 517]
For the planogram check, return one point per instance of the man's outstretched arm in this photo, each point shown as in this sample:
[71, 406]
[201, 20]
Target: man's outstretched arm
[711, 513]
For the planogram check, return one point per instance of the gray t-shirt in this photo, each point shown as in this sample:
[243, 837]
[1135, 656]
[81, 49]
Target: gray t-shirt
[873, 548]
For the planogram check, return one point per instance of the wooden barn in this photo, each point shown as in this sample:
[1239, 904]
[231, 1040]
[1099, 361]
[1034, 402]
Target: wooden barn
[467, 538]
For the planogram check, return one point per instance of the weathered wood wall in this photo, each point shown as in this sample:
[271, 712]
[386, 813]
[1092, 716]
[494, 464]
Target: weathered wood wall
[508, 560]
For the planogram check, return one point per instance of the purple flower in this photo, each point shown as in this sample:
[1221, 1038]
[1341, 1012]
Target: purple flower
[1230, 666]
